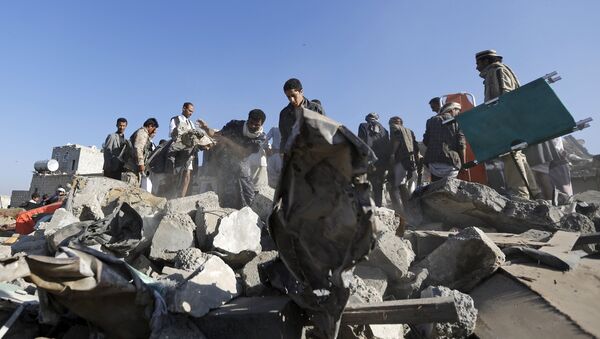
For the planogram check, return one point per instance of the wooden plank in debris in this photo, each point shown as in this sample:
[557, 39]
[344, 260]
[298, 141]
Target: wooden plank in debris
[586, 239]
[410, 311]
[500, 239]
[561, 246]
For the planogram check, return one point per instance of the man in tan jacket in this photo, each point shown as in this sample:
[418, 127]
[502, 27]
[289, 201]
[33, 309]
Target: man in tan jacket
[140, 148]
[498, 79]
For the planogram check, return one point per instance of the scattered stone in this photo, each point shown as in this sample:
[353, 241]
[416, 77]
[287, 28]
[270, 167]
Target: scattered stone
[393, 255]
[189, 205]
[197, 293]
[5, 252]
[175, 232]
[189, 259]
[238, 237]
[207, 224]
[361, 293]
[472, 204]
[462, 261]
[263, 202]
[372, 276]
[386, 331]
[386, 220]
[251, 282]
[465, 308]
[60, 219]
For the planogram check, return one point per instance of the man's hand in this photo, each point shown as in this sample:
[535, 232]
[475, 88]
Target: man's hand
[141, 168]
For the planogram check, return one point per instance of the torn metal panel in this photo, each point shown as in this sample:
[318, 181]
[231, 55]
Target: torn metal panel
[322, 220]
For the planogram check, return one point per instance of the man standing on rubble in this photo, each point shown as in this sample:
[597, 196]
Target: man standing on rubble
[445, 143]
[290, 113]
[435, 103]
[404, 161]
[179, 125]
[138, 152]
[111, 149]
[377, 138]
[498, 79]
[235, 142]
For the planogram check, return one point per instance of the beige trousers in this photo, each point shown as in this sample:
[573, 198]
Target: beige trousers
[513, 179]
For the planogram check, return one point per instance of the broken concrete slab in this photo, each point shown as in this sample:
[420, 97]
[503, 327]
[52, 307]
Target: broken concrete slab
[207, 223]
[60, 219]
[93, 198]
[189, 205]
[211, 286]
[462, 261]
[263, 202]
[372, 276]
[391, 254]
[251, 282]
[238, 237]
[465, 308]
[361, 293]
[386, 220]
[471, 204]
[175, 232]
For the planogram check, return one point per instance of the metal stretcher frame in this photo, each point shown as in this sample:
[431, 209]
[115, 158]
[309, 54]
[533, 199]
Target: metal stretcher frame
[526, 116]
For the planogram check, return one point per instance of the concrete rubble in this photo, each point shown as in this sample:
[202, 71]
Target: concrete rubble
[203, 261]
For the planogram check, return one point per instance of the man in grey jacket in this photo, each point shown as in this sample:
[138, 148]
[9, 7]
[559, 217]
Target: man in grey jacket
[111, 149]
[498, 79]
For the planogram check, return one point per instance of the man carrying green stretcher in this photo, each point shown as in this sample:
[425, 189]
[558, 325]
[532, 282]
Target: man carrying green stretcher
[498, 79]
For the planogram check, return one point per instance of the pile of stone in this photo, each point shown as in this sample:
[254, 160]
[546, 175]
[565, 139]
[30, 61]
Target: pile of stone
[206, 262]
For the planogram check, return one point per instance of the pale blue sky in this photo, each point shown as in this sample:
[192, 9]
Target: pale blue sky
[68, 69]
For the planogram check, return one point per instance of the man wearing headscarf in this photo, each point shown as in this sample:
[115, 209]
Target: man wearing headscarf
[498, 79]
[445, 143]
[376, 137]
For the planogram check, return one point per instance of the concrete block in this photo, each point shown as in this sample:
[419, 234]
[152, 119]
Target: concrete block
[207, 224]
[189, 259]
[250, 277]
[465, 308]
[462, 261]
[175, 232]
[189, 205]
[60, 219]
[238, 237]
[197, 293]
[263, 202]
[391, 254]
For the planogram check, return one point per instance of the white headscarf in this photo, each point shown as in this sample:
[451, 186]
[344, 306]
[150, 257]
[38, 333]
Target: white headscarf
[249, 134]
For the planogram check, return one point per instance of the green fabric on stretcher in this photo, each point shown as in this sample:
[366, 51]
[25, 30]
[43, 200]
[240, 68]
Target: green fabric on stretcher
[532, 113]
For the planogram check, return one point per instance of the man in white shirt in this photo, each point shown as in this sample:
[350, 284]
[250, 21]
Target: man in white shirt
[177, 127]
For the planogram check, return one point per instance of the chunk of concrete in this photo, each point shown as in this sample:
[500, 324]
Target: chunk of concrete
[251, 282]
[472, 204]
[462, 261]
[189, 205]
[387, 221]
[189, 259]
[5, 251]
[361, 293]
[372, 276]
[238, 237]
[198, 292]
[60, 219]
[392, 254]
[465, 308]
[207, 224]
[263, 202]
[175, 232]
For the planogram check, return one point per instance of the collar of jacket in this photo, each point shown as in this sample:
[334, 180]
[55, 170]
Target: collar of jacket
[489, 67]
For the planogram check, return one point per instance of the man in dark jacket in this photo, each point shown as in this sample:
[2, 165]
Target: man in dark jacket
[235, 142]
[404, 161]
[377, 138]
[289, 114]
[445, 143]
[112, 147]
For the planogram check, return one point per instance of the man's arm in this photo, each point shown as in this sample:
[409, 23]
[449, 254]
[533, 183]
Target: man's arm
[462, 145]
[173, 127]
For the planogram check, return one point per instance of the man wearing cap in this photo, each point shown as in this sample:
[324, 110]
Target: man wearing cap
[377, 138]
[445, 143]
[498, 79]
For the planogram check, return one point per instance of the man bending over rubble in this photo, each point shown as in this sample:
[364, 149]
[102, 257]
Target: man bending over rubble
[139, 150]
[235, 142]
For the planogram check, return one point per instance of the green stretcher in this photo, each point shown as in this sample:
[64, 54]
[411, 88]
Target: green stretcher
[526, 116]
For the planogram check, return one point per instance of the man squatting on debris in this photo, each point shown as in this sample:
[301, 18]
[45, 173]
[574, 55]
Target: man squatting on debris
[139, 151]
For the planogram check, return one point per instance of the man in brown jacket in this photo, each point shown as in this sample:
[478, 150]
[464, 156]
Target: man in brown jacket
[140, 148]
[498, 79]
